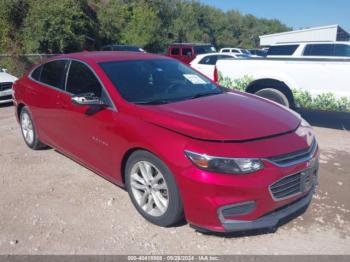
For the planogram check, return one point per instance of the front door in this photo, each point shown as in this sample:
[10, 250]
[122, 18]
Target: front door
[91, 135]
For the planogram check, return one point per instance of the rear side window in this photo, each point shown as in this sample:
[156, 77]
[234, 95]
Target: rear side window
[342, 50]
[187, 51]
[319, 50]
[36, 73]
[212, 59]
[282, 50]
[225, 51]
[209, 60]
[53, 73]
[175, 51]
[82, 80]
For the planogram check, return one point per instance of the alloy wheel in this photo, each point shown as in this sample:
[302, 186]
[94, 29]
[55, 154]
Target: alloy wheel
[149, 188]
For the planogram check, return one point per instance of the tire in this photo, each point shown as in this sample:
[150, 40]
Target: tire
[156, 197]
[274, 95]
[28, 130]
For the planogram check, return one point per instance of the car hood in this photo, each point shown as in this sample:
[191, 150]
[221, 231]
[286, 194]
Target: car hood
[5, 77]
[229, 116]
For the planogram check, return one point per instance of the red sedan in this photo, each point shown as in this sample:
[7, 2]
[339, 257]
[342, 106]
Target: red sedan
[179, 144]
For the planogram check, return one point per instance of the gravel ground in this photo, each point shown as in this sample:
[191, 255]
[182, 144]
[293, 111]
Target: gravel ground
[52, 205]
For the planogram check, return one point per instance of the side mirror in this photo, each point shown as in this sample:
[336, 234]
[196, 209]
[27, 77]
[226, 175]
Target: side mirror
[89, 99]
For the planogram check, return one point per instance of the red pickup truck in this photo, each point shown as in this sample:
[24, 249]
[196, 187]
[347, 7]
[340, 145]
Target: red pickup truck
[186, 52]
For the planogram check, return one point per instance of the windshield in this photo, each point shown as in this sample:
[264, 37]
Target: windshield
[204, 49]
[157, 81]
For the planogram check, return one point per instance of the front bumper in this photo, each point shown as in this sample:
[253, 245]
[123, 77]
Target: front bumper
[6, 96]
[270, 220]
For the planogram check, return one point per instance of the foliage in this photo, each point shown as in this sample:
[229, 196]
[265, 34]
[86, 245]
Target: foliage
[58, 26]
[47, 26]
[303, 98]
[238, 84]
[324, 101]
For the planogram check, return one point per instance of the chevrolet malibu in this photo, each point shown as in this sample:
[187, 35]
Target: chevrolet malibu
[180, 145]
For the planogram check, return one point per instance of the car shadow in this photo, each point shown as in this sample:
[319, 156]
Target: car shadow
[328, 119]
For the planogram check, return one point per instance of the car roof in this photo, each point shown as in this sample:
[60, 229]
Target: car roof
[312, 43]
[191, 44]
[108, 56]
[217, 53]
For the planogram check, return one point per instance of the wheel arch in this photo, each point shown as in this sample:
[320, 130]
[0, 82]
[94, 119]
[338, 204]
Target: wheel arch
[125, 158]
[279, 85]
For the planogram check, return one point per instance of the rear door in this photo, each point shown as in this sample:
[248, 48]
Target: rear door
[89, 132]
[187, 54]
[42, 95]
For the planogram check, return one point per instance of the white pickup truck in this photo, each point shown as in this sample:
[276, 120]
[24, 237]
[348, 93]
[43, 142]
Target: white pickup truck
[277, 78]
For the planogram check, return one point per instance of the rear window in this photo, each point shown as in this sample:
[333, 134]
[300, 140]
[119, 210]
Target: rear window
[53, 73]
[282, 50]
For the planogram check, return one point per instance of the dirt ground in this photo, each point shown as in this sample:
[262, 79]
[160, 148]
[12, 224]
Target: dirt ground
[52, 205]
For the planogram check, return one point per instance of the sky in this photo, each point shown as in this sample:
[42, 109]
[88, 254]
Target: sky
[294, 13]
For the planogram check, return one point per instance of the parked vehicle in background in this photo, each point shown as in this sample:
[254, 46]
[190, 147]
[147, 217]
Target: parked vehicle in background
[235, 50]
[258, 52]
[129, 48]
[144, 122]
[206, 63]
[276, 78]
[311, 50]
[186, 52]
[6, 82]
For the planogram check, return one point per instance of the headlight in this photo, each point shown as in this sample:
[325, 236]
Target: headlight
[225, 165]
[304, 123]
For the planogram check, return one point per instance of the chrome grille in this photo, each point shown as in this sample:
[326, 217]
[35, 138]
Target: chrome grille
[295, 157]
[5, 86]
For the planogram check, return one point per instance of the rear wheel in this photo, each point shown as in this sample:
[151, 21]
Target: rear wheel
[274, 95]
[28, 130]
[152, 189]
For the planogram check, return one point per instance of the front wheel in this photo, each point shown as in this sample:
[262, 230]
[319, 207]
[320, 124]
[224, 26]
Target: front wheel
[274, 95]
[152, 189]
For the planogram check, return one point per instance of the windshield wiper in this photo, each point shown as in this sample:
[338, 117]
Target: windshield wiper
[204, 94]
[152, 102]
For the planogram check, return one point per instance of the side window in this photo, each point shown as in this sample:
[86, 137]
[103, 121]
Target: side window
[36, 73]
[187, 51]
[52, 73]
[234, 51]
[319, 50]
[82, 80]
[175, 51]
[225, 57]
[209, 60]
[225, 51]
[282, 50]
[342, 50]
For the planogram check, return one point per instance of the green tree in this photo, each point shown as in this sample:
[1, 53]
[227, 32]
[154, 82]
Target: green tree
[59, 26]
[12, 13]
